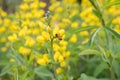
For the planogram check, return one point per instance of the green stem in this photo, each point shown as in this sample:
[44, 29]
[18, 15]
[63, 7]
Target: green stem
[97, 7]
[51, 56]
[112, 73]
[17, 75]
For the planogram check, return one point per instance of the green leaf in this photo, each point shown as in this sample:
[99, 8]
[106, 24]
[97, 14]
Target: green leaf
[109, 22]
[104, 56]
[117, 56]
[116, 67]
[109, 4]
[113, 32]
[6, 69]
[96, 13]
[93, 36]
[85, 28]
[23, 77]
[43, 72]
[100, 68]
[89, 52]
[85, 77]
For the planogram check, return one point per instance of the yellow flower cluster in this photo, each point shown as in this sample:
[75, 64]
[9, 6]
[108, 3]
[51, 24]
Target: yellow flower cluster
[52, 35]
[43, 60]
[24, 51]
[116, 20]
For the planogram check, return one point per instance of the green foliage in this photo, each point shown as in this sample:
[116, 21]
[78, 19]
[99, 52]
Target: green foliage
[63, 44]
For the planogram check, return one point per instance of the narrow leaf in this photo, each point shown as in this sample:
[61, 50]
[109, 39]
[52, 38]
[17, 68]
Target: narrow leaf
[112, 4]
[85, 28]
[100, 68]
[93, 36]
[5, 70]
[23, 77]
[89, 52]
[42, 72]
[85, 77]
[113, 32]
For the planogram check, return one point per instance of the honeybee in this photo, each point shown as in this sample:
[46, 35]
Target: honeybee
[58, 36]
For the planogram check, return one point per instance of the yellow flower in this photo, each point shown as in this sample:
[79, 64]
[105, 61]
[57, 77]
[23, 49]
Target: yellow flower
[59, 9]
[58, 70]
[29, 42]
[28, 15]
[56, 47]
[65, 20]
[3, 49]
[41, 62]
[66, 54]
[61, 32]
[53, 6]
[6, 22]
[74, 25]
[48, 29]
[117, 28]
[46, 35]
[12, 38]
[12, 60]
[116, 20]
[84, 24]
[2, 13]
[14, 28]
[42, 4]
[32, 24]
[23, 32]
[24, 51]
[41, 25]
[84, 33]
[55, 17]
[39, 14]
[40, 39]
[1, 21]
[61, 25]
[2, 29]
[27, 1]
[35, 31]
[63, 64]
[61, 58]
[63, 48]
[24, 6]
[34, 5]
[74, 12]
[84, 13]
[69, 1]
[56, 55]
[63, 43]
[45, 57]
[73, 39]
[55, 30]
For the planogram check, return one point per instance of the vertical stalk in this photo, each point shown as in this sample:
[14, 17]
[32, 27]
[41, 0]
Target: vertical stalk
[17, 75]
[97, 7]
[52, 67]
[51, 56]
[112, 73]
